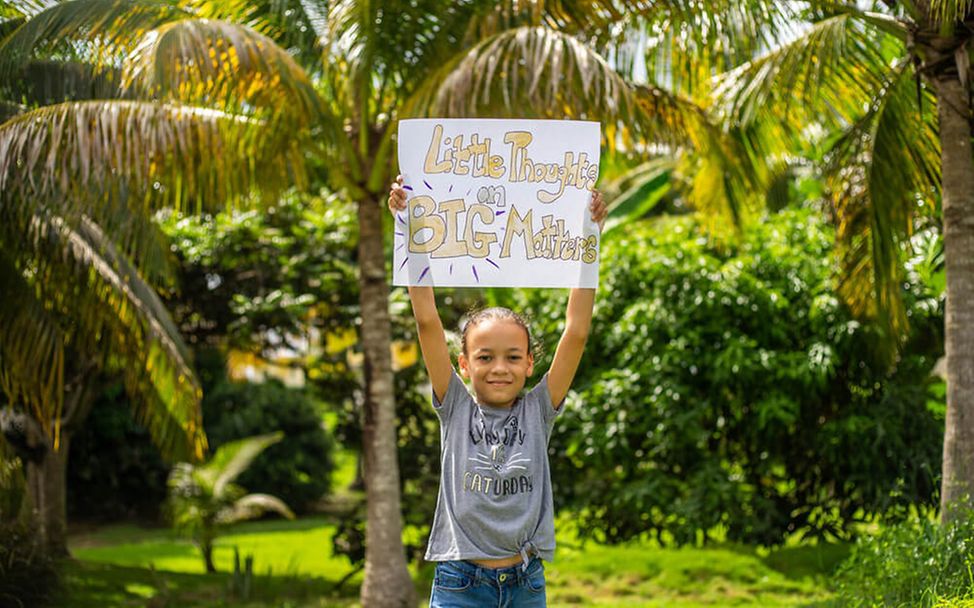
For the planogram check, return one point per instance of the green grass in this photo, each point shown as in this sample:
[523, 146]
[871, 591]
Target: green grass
[129, 566]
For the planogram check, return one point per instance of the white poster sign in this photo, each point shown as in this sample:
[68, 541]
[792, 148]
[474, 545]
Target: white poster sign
[497, 203]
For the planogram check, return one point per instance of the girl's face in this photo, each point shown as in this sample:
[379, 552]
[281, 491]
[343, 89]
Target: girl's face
[497, 361]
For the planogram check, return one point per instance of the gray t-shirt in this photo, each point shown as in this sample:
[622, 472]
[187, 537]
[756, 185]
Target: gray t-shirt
[495, 483]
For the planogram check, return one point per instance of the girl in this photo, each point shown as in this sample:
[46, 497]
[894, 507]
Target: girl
[494, 520]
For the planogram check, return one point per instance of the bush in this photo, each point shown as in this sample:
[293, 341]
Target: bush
[28, 576]
[726, 387]
[914, 563]
[298, 469]
[115, 471]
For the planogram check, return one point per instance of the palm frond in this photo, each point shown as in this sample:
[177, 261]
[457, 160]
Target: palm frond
[223, 65]
[636, 192]
[233, 458]
[826, 76]
[68, 155]
[98, 32]
[539, 73]
[254, 505]
[292, 24]
[27, 8]
[884, 169]
[948, 12]
[107, 312]
[31, 348]
[9, 22]
[527, 72]
[43, 82]
[688, 43]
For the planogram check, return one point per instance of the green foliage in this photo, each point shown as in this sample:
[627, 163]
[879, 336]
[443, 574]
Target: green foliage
[257, 280]
[203, 499]
[297, 469]
[13, 486]
[725, 387]
[914, 563]
[242, 579]
[28, 576]
[114, 470]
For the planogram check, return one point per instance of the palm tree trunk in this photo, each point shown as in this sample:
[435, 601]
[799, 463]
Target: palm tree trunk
[387, 582]
[47, 476]
[47, 485]
[206, 548]
[958, 210]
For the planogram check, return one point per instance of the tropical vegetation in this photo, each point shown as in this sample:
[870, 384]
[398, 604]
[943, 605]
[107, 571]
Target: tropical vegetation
[754, 371]
[204, 500]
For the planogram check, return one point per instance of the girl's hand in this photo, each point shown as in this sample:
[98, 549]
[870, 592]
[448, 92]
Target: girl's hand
[397, 196]
[598, 208]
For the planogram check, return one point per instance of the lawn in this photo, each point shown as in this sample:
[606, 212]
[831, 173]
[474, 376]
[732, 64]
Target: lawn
[125, 565]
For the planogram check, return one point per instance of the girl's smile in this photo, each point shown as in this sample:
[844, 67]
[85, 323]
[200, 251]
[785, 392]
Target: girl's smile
[498, 361]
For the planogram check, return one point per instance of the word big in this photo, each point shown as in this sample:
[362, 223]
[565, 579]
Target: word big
[434, 229]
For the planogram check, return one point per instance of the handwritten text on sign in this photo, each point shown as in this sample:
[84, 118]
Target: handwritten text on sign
[500, 203]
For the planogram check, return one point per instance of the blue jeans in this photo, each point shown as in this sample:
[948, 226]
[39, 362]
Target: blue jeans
[463, 584]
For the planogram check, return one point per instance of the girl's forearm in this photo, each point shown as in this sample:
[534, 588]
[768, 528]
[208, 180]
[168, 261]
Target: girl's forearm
[424, 304]
[578, 317]
[432, 339]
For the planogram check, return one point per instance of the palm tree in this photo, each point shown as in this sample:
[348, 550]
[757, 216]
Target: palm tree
[895, 82]
[373, 64]
[203, 500]
[79, 254]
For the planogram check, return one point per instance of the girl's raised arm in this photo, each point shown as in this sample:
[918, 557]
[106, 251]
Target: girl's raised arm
[432, 338]
[578, 321]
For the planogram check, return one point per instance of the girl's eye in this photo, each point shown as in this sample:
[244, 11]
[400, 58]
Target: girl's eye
[483, 358]
[515, 357]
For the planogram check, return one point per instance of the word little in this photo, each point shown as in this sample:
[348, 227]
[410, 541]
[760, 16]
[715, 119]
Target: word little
[475, 159]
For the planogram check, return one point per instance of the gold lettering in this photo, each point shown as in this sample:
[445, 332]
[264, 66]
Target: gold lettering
[478, 243]
[495, 166]
[565, 173]
[431, 165]
[519, 141]
[452, 247]
[517, 225]
[426, 219]
[591, 253]
[593, 175]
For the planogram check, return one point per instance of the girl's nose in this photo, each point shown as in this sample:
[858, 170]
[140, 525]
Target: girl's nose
[500, 365]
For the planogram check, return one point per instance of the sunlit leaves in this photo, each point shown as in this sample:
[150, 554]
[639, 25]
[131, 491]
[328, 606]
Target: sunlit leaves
[850, 75]
[75, 294]
[64, 155]
[98, 32]
[221, 65]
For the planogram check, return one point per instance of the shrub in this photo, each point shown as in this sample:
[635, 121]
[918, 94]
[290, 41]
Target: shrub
[727, 387]
[28, 576]
[115, 471]
[298, 469]
[913, 563]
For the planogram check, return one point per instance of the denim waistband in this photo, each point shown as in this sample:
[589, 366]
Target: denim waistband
[498, 576]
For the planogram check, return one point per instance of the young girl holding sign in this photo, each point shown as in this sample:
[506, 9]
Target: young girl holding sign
[494, 521]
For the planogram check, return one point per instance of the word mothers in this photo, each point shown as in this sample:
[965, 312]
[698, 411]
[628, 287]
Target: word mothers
[475, 159]
[433, 229]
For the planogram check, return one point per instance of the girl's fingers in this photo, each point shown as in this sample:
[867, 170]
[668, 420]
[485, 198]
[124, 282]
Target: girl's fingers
[397, 195]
